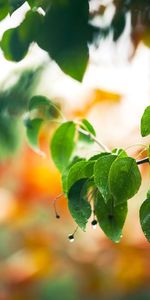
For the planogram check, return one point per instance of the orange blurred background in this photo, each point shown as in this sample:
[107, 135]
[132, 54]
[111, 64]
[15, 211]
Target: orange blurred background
[36, 259]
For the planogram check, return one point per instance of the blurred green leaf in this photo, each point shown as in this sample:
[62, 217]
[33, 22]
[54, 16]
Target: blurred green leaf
[145, 122]
[15, 41]
[40, 3]
[37, 101]
[4, 9]
[14, 49]
[9, 136]
[118, 24]
[64, 36]
[14, 98]
[33, 129]
[15, 4]
[61, 287]
[49, 109]
[33, 20]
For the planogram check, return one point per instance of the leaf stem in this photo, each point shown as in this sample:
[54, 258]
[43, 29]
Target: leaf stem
[57, 197]
[90, 135]
[142, 161]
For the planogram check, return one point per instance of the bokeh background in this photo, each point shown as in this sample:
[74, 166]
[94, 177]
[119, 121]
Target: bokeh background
[36, 259]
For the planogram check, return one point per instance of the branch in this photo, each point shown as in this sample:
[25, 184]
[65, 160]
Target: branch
[143, 161]
[90, 135]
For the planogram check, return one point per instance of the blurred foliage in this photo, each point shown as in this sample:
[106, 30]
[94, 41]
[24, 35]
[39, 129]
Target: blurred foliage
[14, 100]
[67, 27]
[65, 285]
[9, 136]
[67, 45]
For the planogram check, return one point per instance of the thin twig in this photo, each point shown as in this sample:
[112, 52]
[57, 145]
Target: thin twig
[59, 111]
[90, 135]
[54, 204]
[57, 197]
[76, 230]
[141, 152]
[142, 161]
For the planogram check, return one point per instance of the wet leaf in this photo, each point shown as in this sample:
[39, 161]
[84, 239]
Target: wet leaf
[78, 204]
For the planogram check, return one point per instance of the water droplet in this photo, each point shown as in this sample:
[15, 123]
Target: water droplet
[94, 226]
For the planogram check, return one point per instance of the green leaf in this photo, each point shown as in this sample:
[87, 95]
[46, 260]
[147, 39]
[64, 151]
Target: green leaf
[33, 20]
[4, 9]
[124, 179]
[39, 3]
[14, 49]
[97, 156]
[38, 101]
[15, 4]
[66, 171]
[148, 194]
[119, 152]
[111, 218]
[49, 109]
[10, 136]
[14, 99]
[15, 41]
[118, 24]
[101, 172]
[145, 218]
[145, 122]
[62, 145]
[85, 125]
[80, 170]
[78, 204]
[34, 3]
[64, 35]
[33, 129]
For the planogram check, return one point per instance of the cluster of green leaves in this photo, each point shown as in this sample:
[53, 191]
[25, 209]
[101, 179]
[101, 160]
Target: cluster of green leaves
[64, 33]
[145, 208]
[40, 109]
[107, 180]
[102, 183]
[65, 28]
